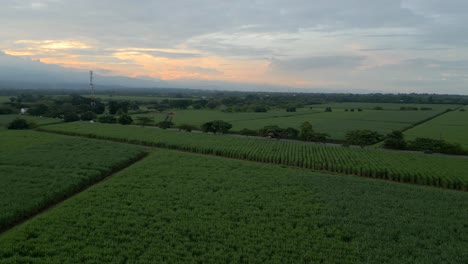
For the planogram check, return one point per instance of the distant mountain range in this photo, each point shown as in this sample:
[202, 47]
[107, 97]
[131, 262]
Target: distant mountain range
[18, 72]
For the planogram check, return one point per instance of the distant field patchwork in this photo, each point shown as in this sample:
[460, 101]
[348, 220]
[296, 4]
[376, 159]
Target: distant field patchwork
[452, 127]
[335, 123]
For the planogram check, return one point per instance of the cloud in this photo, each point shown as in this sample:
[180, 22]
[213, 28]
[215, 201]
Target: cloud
[244, 40]
[202, 70]
[318, 62]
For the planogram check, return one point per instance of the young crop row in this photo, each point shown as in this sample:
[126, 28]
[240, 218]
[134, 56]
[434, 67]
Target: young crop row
[176, 207]
[441, 171]
[38, 170]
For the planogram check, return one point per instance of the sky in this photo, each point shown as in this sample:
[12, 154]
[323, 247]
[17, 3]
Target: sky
[348, 45]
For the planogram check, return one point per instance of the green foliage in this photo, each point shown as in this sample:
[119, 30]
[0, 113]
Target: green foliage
[215, 210]
[408, 108]
[6, 110]
[378, 108]
[40, 169]
[216, 126]
[90, 115]
[395, 140]
[291, 109]
[436, 145]
[19, 123]
[165, 124]
[447, 172]
[107, 119]
[144, 121]
[249, 132]
[70, 117]
[187, 127]
[307, 133]
[328, 109]
[125, 119]
[363, 137]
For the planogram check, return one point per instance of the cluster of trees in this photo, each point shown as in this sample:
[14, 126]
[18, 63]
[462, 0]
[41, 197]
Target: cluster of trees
[305, 133]
[216, 126]
[363, 137]
[123, 119]
[396, 140]
[352, 110]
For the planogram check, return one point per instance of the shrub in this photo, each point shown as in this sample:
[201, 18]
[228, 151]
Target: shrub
[165, 124]
[6, 111]
[90, 115]
[70, 117]
[249, 132]
[107, 119]
[363, 137]
[187, 127]
[216, 126]
[395, 140]
[144, 121]
[19, 123]
[125, 119]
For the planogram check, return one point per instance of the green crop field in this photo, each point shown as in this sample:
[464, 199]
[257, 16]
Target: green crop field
[39, 169]
[216, 210]
[199, 117]
[6, 119]
[449, 172]
[336, 123]
[452, 127]
[4, 99]
[385, 106]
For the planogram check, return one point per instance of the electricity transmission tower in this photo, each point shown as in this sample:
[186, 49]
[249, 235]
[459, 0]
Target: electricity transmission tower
[91, 86]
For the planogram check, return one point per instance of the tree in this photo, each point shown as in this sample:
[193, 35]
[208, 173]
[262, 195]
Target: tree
[307, 132]
[395, 140]
[107, 119]
[212, 104]
[291, 133]
[362, 137]
[19, 123]
[291, 109]
[216, 126]
[165, 124]
[70, 117]
[90, 115]
[113, 107]
[125, 119]
[272, 131]
[328, 109]
[144, 120]
[187, 127]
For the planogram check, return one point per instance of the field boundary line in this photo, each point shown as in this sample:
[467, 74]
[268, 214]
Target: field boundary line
[66, 197]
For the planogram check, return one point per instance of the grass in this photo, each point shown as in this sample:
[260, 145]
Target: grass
[6, 119]
[199, 117]
[216, 210]
[442, 171]
[452, 127]
[38, 169]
